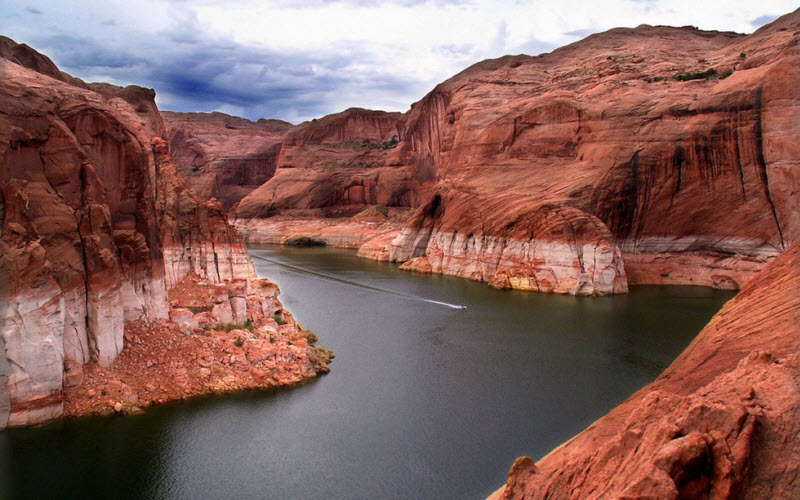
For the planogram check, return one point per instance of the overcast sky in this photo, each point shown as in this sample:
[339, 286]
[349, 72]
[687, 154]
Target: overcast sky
[296, 60]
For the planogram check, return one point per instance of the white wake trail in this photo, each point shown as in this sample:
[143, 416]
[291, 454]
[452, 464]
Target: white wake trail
[337, 279]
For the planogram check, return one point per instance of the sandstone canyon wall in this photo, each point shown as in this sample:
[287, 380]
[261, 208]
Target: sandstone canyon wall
[723, 421]
[340, 182]
[652, 155]
[96, 227]
[221, 156]
[337, 165]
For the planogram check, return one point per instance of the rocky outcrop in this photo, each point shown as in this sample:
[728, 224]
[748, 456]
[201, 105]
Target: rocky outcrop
[222, 156]
[27, 57]
[574, 252]
[722, 421]
[652, 155]
[223, 337]
[96, 228]
[337, 166]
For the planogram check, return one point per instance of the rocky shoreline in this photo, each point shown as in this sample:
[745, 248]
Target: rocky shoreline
[163, 362]
[210, 345]
[512, 263]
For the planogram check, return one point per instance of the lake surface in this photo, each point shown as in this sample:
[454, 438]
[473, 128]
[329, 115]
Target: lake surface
[423, 400]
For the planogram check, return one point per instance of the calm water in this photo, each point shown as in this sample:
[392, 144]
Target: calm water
[423, 400]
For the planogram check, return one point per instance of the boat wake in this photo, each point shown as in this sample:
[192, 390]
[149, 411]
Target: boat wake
[330, 277]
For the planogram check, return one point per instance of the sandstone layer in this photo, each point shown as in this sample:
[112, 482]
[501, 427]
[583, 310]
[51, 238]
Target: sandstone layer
[96, 228]
[652, 155]
[222, 156]
[723, 421]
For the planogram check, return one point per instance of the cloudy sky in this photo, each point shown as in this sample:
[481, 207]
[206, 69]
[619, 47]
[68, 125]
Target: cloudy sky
[296, 60]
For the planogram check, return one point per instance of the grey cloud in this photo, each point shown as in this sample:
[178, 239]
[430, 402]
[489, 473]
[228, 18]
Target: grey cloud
[455, 50]
[584, 32]
[533, 47]
[84, 53]
[762, 20]
[192, 72]
[32, 10]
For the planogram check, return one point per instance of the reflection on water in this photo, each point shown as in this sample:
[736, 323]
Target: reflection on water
[422, 400]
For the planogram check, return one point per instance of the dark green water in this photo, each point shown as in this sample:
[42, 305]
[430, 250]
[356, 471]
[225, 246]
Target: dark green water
[423, 401]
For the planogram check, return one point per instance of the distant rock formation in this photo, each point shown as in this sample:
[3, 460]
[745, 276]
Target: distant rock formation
[652, 155]
[221, 156]
[337, 166]
[723, 421]
[96, 227]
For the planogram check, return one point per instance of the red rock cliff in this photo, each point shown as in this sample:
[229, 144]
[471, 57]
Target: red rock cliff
[646, 155]
[723, 421]
[221, 156]
[96, 226]
[337, 165]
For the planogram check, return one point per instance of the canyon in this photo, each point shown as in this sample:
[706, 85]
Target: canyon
[650, 155]
[97, 230]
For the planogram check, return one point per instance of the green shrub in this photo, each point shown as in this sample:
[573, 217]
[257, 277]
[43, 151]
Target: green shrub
[278, 319]
[391, 143]
[703, 75]
[227, 327]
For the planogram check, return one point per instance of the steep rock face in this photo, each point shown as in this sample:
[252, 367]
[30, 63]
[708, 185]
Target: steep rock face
[694, 181]
[196, 237]
[722, 421]
[96, 227]
[78, 234]
[334, 166]
[543, 248]
[221, 156]
[651, 155]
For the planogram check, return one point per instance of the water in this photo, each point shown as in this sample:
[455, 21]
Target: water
[423, 400]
